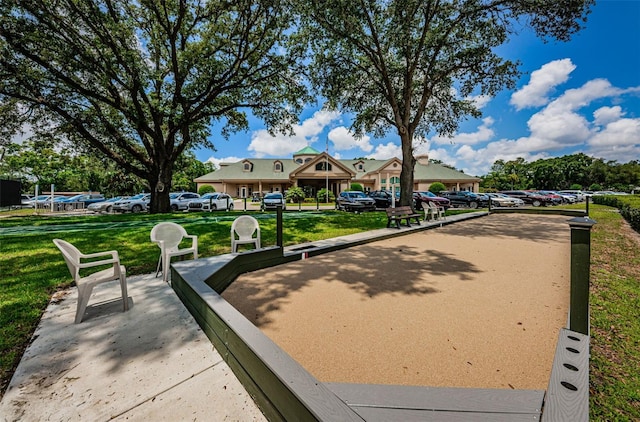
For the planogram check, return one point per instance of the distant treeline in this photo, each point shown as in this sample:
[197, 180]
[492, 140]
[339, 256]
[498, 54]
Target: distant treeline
[577, 171]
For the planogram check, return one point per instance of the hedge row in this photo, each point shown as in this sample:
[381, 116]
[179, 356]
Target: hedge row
[629, 206]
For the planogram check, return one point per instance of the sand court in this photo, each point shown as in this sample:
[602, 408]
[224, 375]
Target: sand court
[478, 304]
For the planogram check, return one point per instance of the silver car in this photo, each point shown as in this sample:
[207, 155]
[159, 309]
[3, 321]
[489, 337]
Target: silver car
[137, 203]
[105, 206]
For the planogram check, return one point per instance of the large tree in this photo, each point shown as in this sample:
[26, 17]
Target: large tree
[142, 81]
[412, 65]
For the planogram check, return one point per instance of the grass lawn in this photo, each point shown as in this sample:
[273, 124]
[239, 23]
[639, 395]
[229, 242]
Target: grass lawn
[32, 269]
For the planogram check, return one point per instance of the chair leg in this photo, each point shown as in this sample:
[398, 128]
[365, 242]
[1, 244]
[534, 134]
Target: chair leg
[123, 287]
[158, 267]
[84, 293]
[165, 269]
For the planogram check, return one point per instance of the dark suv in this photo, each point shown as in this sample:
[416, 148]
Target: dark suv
[466, 199]
[382, 197]
[355, 201]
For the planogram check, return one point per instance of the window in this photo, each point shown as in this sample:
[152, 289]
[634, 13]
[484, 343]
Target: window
[299, 160]
[247, 166]
[323, 166]
[277, 167]
[394, 180]
[360, 167]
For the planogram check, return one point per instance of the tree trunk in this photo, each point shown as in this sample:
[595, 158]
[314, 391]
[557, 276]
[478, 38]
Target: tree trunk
[406, 175]
[160, 187]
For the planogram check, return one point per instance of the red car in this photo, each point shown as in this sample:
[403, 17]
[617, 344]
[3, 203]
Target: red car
[426, 196]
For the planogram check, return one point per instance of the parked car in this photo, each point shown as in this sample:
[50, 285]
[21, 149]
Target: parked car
[425, 196]
[211, 202]
[529, 198]
[105, 206]
[555, 199]
[137, 203]
[383, 198]
[180, 200]
[82, 200]
[26, 200]
[565, 197]
[466, 199]
[502, 200]
[355, 201]
[273, 200]
[580, 195]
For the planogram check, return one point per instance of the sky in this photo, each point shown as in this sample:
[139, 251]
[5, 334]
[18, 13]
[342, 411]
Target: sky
[581, 96]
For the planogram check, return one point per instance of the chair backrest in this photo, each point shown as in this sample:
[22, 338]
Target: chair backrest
[244, 226]
[425, 205]
[171, 233]
[71, 256]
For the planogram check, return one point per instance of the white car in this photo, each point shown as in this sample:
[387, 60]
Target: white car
[502, 200]
[211, 202]
[137, 203]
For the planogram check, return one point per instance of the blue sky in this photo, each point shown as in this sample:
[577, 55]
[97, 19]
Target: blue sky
[579, 96]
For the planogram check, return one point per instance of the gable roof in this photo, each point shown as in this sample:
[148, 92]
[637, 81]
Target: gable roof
[263, 168]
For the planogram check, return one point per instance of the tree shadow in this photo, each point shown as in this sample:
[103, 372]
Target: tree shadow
[369, 270]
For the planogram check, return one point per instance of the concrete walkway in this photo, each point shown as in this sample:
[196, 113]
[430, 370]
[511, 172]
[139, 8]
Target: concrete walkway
[150, 363]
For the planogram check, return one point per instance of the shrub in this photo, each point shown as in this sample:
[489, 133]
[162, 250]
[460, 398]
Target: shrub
[437, 187]
[357, 186]
[322, 195]
[206, 189]
[595, 187]
[575, 186]
[629, 206]
[295, 194]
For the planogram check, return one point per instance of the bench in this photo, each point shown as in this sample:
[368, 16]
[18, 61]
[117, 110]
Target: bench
[395, 215]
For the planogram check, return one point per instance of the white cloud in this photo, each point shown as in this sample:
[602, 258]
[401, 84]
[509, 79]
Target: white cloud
[264, 144]
[386, 151]
[605, 115]
[216, 161]
[480, 100]
[483, 134]
[622, 132]
[541, 83]
[343, 139]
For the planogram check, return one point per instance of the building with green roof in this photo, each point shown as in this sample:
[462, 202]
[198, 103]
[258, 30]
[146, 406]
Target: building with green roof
[313, 170]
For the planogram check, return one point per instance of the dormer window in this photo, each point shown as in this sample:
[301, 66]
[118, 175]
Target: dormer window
[247, 166]
[277, 166]
[360, 167]
[299, 160]
[323, 166]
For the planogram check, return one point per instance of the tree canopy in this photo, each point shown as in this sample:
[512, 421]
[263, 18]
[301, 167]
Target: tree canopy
[141, 82]
[576, 171]
[414, 66]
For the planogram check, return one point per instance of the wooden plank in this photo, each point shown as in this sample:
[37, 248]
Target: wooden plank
[411, 415]
[440, 398]
[568, 392]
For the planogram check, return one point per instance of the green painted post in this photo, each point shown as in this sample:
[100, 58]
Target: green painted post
[580, 266]
[279, 241]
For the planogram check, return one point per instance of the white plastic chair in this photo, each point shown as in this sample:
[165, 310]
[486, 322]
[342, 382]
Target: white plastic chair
[438, 211]
[428, 211]
[168, 237]
[244, 227]
[73, 257]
